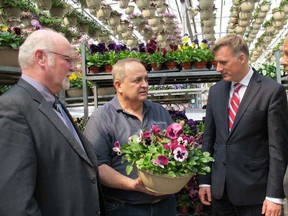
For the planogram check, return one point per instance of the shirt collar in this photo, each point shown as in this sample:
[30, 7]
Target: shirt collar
[116, 104]
[245, 81]
[44, 91]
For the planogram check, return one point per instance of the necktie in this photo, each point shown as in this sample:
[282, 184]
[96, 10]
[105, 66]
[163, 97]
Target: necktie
[57, 105]
[234, 104]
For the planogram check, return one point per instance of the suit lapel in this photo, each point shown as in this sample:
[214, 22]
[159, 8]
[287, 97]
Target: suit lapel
[225, 103]
[48, 111]
[251, 91]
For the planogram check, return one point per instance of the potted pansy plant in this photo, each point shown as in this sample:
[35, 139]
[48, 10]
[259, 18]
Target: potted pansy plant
[166, 160]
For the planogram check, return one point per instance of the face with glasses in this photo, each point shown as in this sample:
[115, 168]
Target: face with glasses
[60, 64]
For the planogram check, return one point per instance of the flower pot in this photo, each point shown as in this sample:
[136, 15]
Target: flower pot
[198, 208]
[156, 67]
[93, 4]
[171, 65]
[142, 4]
[93, 69]
[205, 5]
[74, 92]
[214, 64]
[136, 21]
[12, 13]
[122, 27]
[183, 209]
[9, 56]
[108, 68]
[104, 13]
[285, 8]
[148, 13]
[114, 20]
[278, 15]
[265, 7]
[106, 91]
[123, 3]
[167, 20]
[44, 4]
[163, 184]
[154, 21]
[200, 65]
[57, 12]
[247, 6]
[70, 21]
[186, 65]
[130, 9]
[83, 28]
[162, 9]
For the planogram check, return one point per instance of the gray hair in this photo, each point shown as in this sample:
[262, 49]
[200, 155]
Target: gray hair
[41, 39]
[119, 69]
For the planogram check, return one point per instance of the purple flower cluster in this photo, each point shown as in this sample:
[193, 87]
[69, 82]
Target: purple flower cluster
[112, 46]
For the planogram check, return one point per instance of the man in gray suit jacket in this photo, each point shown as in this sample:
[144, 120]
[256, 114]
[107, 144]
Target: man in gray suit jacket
[46, 169]
[251, 155]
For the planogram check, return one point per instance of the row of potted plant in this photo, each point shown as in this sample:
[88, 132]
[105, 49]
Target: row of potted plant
[102, 55]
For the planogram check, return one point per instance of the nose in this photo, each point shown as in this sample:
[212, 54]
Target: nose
[144, 83]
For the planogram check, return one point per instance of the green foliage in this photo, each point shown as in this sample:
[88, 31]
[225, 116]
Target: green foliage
[173, 56]
[59, 3]
[157, 58]
[144, 151]
[96, 59]
[110, 57]
[4, 88]
[186, 55]
[10, 39]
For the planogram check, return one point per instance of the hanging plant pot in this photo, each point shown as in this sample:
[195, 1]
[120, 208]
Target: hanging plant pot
[161, 37]
[270, 29]
[243, 23]
[278, 24]
[12, 12]
[57, 12]
[259, 20]
[265, 7]
[93, 69]
[104, 13]
[162, 9]
[114, 20]
[285, 8]
[205, 5]
[278, 15]
[128, 33]
[206, 14]
[245, 16]
[83, 28]
[93, 4]
[44, 4]
[123, 3]
[26, 21]
[141, 4]
[70, 20]
[122, 27]
[209, 22]
[148, 13]
[154, 21]
[247, 6]
[262, 14]
[239, 30]
[157, 29]
[9, 56]
[131, 42]
[136, 21]
[256, 26]
[129, 10]
[166, 19]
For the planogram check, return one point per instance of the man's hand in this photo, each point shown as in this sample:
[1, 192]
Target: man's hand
[205, 195]
[271, 209]
[139, 186]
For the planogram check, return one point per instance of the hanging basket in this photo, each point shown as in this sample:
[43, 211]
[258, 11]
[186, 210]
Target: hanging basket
[148, 13]
[44, 4]
[93, 4]
[163, 184]
[9, 57]
[141, 4]
[114, 20]
[154, 21]
[123, 3]
[104, 13]
[57, 12]
[12, 12]
[83, 28]
[129, 10]
[205, 5]
[247, 6]
[70, 21]
[278, 15]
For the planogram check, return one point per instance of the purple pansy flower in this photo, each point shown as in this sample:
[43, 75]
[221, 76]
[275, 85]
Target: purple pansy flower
[161, 161]
[180, 153]
[174, 130]
[116, 148]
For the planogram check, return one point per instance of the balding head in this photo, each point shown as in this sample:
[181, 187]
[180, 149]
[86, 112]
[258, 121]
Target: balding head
[44, 39]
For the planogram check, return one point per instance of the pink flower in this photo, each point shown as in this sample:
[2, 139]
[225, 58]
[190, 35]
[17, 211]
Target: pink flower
[116, 148]
[155, 129]
[174, 130]
[180, 153]
[161, 161]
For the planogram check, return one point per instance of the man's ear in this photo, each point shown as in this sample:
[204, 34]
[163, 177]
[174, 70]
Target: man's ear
[40, 57]
[117, 85]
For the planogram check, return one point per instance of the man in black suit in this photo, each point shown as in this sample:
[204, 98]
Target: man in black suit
[250, 150]
[46, 168]
[284, 62]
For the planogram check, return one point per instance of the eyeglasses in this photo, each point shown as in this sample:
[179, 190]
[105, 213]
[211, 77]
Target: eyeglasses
[69, 59]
